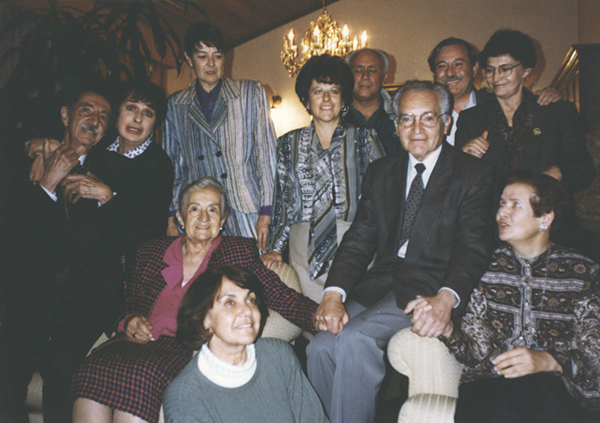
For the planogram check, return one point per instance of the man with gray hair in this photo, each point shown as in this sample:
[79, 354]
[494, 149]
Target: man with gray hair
[371, 104]
[425, 215]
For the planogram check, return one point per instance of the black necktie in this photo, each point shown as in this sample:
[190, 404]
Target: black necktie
[412, 203]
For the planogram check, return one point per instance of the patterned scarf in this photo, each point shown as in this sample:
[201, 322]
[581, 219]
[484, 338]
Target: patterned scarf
[316, 174]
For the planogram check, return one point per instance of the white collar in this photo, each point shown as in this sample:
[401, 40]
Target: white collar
[132, 154]
[472, 100]
[429, 161]
[224, 374]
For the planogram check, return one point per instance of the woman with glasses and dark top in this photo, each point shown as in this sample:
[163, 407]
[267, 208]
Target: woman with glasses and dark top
[513, 132]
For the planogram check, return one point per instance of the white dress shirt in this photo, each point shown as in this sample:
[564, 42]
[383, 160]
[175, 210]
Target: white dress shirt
[472, 103]
[429, 162]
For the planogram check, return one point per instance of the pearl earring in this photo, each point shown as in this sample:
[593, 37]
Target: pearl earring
[542, 228]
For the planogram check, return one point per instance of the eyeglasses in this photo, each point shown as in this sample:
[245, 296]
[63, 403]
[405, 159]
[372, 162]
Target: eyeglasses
[503, 71]
[428, 119]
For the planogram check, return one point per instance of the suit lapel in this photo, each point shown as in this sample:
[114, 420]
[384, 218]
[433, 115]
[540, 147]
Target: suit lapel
[230, 92]
[197, 117]
[395, 189]
[219, 114]
[431, 203]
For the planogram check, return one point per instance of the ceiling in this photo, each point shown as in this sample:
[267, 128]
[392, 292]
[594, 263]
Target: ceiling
[241, 20]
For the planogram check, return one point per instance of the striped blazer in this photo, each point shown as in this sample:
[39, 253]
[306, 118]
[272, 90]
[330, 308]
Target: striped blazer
[236, 147]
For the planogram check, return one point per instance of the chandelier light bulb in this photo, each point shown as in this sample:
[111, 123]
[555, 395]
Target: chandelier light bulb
[323, 37]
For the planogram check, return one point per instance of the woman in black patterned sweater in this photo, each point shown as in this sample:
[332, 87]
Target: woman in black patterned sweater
[532, 321]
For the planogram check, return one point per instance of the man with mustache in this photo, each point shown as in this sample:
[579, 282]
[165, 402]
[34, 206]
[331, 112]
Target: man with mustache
[453, 62]
[64, 279]
[372, 105]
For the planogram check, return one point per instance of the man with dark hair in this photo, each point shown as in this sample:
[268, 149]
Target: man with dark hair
[425, 216]
[453, 62]
[64, 285]
[371, 104]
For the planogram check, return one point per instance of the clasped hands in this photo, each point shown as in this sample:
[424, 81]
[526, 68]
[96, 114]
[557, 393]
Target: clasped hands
[431, 315]
[51, 167]
[430, 318]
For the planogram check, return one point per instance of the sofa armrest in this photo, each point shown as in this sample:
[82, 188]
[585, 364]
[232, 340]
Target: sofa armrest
[427, 363]
[277, 326]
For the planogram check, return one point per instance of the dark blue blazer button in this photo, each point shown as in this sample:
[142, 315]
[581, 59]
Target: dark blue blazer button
[224, 175]
[201, 157]
[218, 154]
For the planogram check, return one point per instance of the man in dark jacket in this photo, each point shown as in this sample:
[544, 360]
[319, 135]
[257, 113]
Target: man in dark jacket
[64, 284]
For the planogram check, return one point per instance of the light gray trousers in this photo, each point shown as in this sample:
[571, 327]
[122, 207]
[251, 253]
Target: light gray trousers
[347, 369]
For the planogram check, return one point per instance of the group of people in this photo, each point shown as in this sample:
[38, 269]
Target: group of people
[384, 205]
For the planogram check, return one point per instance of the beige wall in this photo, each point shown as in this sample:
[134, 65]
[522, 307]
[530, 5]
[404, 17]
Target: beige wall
[589, 21]
[408, 30]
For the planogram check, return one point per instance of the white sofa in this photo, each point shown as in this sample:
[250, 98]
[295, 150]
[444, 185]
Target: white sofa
[434, 376]
[276, 327]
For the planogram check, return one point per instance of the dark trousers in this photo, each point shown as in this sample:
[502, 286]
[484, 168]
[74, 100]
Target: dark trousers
[537, 398]
[54, 344]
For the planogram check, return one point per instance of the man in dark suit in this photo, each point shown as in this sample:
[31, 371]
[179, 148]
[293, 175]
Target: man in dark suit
[64, 283]
[425, 214]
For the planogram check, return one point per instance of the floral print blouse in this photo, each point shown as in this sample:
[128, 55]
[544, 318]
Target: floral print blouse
[549, 303]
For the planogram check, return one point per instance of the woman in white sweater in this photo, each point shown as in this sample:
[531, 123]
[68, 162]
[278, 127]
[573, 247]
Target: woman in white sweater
[234, 378]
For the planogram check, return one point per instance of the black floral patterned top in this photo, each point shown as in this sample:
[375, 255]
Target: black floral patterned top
[548, 303]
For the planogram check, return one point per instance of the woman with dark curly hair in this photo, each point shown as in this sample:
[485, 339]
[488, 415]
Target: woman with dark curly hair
[513, 132]
[319, 174]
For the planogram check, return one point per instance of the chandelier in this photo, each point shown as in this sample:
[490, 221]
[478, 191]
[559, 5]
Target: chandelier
[322, 37]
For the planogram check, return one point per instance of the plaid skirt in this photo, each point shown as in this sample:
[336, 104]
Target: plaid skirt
[130, 377]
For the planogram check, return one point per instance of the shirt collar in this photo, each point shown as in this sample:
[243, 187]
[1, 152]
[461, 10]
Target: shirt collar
[472, 103]
[131, 154]
[361, 118]
[336, 138]
[429, 162]
[211, 96]
[472, 100]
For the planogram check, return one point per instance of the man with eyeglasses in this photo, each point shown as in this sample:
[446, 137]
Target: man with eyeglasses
[453, 62]
[425, 215]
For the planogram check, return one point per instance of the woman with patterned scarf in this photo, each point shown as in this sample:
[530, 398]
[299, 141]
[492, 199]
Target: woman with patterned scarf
[319, 174]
